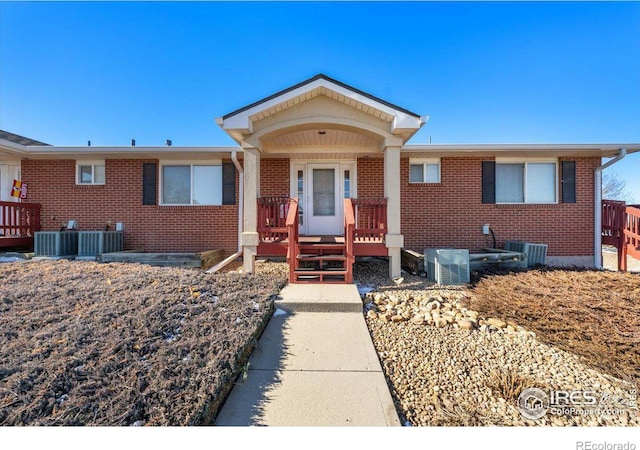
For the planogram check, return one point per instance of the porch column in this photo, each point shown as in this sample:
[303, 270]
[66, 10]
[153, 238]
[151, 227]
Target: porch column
[250, 237]
[394, 240]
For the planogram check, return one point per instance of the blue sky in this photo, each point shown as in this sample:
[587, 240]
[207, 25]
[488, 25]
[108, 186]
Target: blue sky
[501, 72]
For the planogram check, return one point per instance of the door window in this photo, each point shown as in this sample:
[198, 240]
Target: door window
[300, 197]
[324, 192]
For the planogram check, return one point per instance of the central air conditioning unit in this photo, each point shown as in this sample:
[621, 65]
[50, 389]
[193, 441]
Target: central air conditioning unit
[447, 266]
[94, 243]
[56, 243]
[536, 253]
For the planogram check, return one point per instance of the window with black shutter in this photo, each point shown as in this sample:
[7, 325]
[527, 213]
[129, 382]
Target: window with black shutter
[568, 182]
[149, 183]
[488, 182]
[228, 184]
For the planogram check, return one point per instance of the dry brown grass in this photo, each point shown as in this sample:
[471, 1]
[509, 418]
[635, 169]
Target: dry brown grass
[509, 384]
[593, 314]
[459, 415]
[83, 343]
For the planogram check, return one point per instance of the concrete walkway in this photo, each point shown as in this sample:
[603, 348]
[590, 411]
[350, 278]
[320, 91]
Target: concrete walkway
[314, 366]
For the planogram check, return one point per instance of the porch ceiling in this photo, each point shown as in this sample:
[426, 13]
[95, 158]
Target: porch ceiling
[321, 137]
[321, 142]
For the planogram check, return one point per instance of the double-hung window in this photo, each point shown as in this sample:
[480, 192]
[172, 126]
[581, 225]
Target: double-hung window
[526, 181]
[90, 172]
[424, 170]
[192, 184]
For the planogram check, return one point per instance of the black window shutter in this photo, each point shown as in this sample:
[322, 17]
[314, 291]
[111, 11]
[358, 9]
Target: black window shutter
[568, 182]
[149, 182]
[488, 181]
[228, 184]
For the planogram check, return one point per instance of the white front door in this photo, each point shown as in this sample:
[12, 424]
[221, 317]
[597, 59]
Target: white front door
[320, 188]
[324, 213]
[7, 173]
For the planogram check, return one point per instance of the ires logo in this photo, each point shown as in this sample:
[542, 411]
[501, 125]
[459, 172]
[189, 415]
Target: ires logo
[573, 398]
[534, 403]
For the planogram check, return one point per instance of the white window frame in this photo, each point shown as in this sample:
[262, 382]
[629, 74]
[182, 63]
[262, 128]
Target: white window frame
[424, 162]
[93, 164]
[526, 161]
[190, 164]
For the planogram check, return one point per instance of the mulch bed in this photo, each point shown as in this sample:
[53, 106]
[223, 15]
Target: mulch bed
[593, 314]
[83, 343]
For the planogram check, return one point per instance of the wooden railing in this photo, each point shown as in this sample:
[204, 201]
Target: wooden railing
[18, 223]
[612, 221]
[272, 217]
[370, 219]
[292, 233]
[349, 234]
[621, 228]
[632, 232]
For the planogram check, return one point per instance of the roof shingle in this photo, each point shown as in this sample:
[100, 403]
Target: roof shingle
[17, 139]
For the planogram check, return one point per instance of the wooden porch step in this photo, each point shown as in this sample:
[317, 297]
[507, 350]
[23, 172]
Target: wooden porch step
[336, 271]
[320, 252]
[321, 276]
[324, 247]
[321, 258]
[316, 280]
[317, 271]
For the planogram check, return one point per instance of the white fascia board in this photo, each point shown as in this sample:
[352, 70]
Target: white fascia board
[155, 152]
[13, 148]
[45, 150]
[405, 122]
[595, 149]
[241, 120]
[525, 158]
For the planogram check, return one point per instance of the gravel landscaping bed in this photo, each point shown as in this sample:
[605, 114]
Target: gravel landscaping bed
[447, 363]
[590, 313]
[83, 343]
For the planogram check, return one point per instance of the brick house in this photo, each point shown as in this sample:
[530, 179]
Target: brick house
[321, 163]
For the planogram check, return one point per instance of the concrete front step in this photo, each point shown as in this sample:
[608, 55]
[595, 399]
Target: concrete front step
[319, 298]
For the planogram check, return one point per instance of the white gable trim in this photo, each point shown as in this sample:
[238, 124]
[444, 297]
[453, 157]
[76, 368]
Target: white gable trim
[242, 120]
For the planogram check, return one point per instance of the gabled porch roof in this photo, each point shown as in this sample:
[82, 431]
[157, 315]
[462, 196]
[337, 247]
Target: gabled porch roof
[319, 76]
[401, 122]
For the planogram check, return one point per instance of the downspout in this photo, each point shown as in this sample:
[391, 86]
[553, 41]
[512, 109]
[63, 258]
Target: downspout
[598, 207]
[220, 265]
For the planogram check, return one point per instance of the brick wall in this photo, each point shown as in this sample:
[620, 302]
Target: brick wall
[152, 228]
[451, 213]
[370, 177]
[274, 176]
[446, 214]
